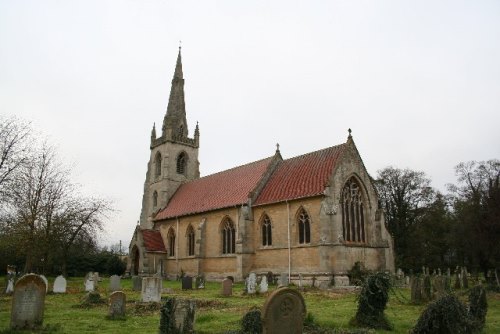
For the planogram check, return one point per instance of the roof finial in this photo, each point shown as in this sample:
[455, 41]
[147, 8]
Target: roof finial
[349, 130]
[180, 45]
[277, 148]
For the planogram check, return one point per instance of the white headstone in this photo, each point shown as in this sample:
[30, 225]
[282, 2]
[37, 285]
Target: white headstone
[151, 289]
[114, 283]
[10, 286]
[251, 284]
[59, 285]
[283, 279]
[89, 285]
[341, 280]
[263, 284]
[46, 283]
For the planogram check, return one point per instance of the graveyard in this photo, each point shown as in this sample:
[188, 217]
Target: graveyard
[219, 307]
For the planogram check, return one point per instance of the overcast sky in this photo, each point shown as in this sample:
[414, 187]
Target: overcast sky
[417, 81]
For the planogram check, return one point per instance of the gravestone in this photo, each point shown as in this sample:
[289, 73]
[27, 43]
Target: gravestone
[117, 304]
[270, 278]
[416, 290]
[439, 286]
[407, 280]
[187, 283]
[89, 275]
[177, 316]
[28, 303]
[151, 289]
[59, 285]
[283, 279]
[200, 282]
[46, 282]
[426, 288]
[283, 312]
[136, 283]
[89, 285]
[341, 280]
[10, 286]
[114, 283]
[252, 284]
[465, 281]
[227, 287]
[263, 287]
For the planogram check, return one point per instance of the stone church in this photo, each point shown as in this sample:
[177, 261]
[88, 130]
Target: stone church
[316, 214]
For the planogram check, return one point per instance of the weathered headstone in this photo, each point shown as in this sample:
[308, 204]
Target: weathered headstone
[46, 282]
[114, 283]
[426, 288]
[227, 287]
[89, 285]
[283, 279]
[263, 287]
[252, 284]
[465, 280]
[177, 316]
[89, 275]
[416, 290]
[136, 283]
[59, 285]
[439, 286]
[151, 289]
[341, 280]
[10, 286]
[28, 303]
[187, 283]
[407, 280]
[284, 312]
[117, 304]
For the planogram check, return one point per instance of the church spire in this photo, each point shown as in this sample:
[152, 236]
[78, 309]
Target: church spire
[174, 123]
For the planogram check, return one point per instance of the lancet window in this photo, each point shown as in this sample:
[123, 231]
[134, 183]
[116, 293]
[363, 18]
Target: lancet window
[353, 213]
[304, 223]
[190, 240]
[267, 234]
[228, 236]
[171, 242]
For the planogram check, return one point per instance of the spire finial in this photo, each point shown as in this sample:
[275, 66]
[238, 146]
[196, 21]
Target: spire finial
[349, 130]
[277, 147]
[180, 45]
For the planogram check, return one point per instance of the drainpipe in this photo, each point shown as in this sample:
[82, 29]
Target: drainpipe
[177, 245]
[289, 248]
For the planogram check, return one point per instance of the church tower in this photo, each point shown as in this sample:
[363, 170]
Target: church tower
[174, 156]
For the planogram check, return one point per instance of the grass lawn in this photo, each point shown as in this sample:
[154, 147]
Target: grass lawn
[214, 313]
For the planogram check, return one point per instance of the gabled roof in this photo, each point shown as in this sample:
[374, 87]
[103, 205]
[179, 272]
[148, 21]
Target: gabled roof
[153, 242]
[300, 177]
[221, 190]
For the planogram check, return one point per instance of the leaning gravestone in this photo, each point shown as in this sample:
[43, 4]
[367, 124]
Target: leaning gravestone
[59, 285]
[114, 283]
[284, 312]
[136, 283]
[28, 303]
[151, 289]
[117, 303]
[252, 284]
[263, 287]
[227, 287]
[187, 283]
[46, 283]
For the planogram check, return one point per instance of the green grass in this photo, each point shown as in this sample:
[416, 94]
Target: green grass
[214, 313]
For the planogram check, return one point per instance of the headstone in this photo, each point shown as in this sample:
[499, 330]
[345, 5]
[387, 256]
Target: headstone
[10, 286]
[407, 280]
[270, 277]
[252, 284]
[416, 290]
[117, 304]
[457, 285]
[46, 282]
[283, 279]
[227, 287]
[28, 303]
[187, 283]
[136, 283]
[439, 286]
[263, 285]
[439, 271]
[96, 279]
[283, 312]
[200, 282]
[151, 289]
[465, 281]
[89, 285]
[177, 316]
[89, 275]
[114, 283]
[341, 280]
[300, 280]
[426, 288]
[59, 285]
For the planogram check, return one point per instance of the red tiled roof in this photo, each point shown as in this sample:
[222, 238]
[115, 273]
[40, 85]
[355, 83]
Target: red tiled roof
[153, 241]
[299, 177]
[216, 191]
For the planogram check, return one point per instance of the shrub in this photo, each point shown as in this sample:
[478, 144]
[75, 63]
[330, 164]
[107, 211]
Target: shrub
[478, 307]
[252, 322]
[445, 315]
[372, 302]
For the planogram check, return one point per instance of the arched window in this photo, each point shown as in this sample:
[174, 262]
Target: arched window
[353, 215]
[304, 227]
[181, 163]
[171, 242]
[228, 236]
[158, 164]
[155, 199]
[190, 240]
[267, 234]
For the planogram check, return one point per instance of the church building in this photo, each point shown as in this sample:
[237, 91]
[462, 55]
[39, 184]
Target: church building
[316, 214]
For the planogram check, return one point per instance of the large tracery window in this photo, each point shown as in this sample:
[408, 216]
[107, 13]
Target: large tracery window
[228, 236]
[158, 164]
[181, 163]
[353, 215]
[304, 227]
[267, 236]
[171, 242]
[190, 240]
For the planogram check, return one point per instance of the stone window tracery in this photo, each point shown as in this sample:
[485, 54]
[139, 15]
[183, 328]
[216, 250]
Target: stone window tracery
[267, 234]
[190, 243]
[171, 242]
[304, 223]
[181, 163]
[228, 236]
[353, 215]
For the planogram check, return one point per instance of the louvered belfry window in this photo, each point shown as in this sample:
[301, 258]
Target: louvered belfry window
[353, 215]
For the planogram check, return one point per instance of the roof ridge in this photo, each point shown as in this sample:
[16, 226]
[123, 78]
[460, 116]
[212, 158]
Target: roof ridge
[233, 168]
[313, 152]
